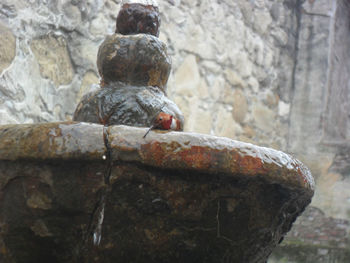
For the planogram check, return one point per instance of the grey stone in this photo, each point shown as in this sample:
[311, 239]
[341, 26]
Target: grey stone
[53, 58]
[264, 118]
[240, 106]
[7, 47]
[187, 77]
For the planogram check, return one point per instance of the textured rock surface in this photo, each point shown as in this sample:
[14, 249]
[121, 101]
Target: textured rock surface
[198, 30]
[119, 103]
[7, 47]
[134, 59]
[315, 238]
[54, 62]
[319, 131]
[138, 18]
[168, 198]
[294, 66]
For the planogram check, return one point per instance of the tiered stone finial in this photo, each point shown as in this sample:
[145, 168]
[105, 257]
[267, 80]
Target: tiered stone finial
[134, 67]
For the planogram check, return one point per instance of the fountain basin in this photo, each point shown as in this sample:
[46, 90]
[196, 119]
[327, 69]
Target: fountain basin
[171, 197]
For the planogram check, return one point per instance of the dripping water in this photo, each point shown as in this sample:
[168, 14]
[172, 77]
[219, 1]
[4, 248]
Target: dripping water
[95, 228]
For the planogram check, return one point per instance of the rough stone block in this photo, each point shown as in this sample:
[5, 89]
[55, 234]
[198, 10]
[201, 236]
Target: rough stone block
[52, 55]
[7, 47]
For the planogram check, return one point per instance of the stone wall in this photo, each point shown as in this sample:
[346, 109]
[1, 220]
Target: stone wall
[268, 72]
[319, 132]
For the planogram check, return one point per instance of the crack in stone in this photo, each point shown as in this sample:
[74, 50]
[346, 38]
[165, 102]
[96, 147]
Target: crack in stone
[94, 231]
[97, 231]
[107, 155]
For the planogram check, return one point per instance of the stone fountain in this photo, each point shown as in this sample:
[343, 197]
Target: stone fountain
[96, 190]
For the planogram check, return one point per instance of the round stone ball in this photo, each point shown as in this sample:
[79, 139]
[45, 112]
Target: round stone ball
[134, 59]
[135, 18]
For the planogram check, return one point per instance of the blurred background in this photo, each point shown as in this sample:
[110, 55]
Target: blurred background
[273, 73]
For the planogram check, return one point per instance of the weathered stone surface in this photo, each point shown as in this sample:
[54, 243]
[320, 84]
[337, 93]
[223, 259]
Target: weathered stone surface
[89, 79]
[244, 65]
[234, 78]
[99, 26]
[64, 140]
[170, 197]
[52, 231]
[6, 118]
[264, 118]
[280, 36]
[203, 121]
[136, 59]
[136, 18]
[48, 203]
[249, 131]
[307, 40]
[323, 109]
[7, 47]
[187, 77]
[72, 16]
[119, 103]
[240, 106]
[53, 58]
[226, 125]
[249, 159]
[262, 20]
[283, 108]
[202, 30]
[271, 100]
[199, 29]
[9, 8]
[315, 238]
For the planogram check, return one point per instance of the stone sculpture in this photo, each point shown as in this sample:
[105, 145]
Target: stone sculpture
[134, 68]
[173, 197]
[88, 193]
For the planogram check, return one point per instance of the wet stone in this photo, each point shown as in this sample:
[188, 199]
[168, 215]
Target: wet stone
[172, 197]
[49, 233]
[138, 18]
[137, 60]
[178, 216]
[119, 103]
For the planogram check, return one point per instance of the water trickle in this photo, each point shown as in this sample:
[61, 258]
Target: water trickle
[97, 221]
[97, 235]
